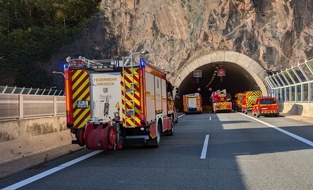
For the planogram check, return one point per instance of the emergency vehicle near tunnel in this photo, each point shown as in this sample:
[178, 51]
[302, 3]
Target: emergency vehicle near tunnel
[237, 101]
[265, 106]
[221, 101]
[110, 102]
[192, 103]
[249, 98]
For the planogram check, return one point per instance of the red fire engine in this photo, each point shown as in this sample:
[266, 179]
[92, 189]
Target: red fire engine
[192, 103]
[109, 103]
[221, 101]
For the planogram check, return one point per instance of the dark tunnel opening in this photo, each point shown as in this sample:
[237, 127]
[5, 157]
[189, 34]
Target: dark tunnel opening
[236, 80]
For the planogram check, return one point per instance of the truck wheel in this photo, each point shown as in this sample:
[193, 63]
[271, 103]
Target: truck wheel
[80, 137]
[156, 141]
[171, 132]
[258, 114]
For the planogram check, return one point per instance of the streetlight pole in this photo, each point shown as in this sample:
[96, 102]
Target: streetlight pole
[60, 73]
[52, 87]
[56, 72]
[130, 58]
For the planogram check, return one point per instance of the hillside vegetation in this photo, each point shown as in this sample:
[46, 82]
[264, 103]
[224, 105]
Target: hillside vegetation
[32, 30]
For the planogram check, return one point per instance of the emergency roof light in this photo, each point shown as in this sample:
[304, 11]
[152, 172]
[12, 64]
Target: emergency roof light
[65, 66]
[142, 63]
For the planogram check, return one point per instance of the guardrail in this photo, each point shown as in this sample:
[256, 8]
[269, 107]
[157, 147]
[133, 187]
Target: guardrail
[36, 91]
[26, 106]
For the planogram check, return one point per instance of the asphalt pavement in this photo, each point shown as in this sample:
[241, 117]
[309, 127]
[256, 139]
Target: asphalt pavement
[15, 166]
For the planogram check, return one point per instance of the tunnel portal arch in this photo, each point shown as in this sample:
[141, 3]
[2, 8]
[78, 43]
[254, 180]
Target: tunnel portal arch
[254, 69]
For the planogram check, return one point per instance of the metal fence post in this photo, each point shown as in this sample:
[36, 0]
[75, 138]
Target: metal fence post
[55, 106]
[21, 106]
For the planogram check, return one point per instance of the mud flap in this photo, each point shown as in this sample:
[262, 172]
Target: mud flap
[169, 126]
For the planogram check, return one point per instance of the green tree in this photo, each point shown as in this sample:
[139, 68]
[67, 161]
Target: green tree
[31, 30]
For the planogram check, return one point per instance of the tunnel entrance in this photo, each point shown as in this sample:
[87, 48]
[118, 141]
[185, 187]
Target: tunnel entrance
[236, 80]
[242, 74]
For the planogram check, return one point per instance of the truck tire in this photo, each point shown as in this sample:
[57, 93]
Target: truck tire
[171, 132]
[176, 118]
[157, 140]
[80, 137]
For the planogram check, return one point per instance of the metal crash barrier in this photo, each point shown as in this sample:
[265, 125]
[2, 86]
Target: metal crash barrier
[20, 103]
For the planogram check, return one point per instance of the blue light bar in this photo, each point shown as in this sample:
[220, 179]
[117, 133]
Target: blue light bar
[65, 66]
[142, 63]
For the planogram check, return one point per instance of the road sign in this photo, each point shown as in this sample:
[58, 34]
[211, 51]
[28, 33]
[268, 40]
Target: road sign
[221, 72]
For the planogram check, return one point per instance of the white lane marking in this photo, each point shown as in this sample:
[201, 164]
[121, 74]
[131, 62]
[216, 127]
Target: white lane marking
[51, 171]
[181, 115]
[210, 118]
[205, 147]
[310, 143]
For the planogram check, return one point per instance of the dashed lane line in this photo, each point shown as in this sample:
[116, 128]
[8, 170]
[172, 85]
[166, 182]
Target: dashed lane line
[205, 147]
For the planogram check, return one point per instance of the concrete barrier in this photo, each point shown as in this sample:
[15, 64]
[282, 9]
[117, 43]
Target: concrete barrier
[22, 138]
[297, 108]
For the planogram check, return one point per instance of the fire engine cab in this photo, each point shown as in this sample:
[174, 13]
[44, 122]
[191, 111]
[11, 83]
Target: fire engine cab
[112, 102]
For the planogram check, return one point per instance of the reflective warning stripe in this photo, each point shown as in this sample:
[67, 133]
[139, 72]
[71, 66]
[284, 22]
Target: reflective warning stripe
[199, 103]
[223, 106]
[251, 97]
[80, 91]
[185, 102]
[268, 111]
[130, 97]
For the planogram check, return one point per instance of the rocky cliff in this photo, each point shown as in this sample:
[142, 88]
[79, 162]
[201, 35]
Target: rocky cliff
[275, 33]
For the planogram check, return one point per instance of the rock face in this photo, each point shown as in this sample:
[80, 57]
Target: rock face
[275, 33]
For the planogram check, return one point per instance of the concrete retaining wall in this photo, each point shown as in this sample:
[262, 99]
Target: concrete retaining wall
[297, 108]
[22, 138]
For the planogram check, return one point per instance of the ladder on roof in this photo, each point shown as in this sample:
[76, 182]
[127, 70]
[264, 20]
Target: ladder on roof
[129, 90]
[96, 65]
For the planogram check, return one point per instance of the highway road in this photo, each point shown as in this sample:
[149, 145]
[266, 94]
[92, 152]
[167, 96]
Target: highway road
[207, 151]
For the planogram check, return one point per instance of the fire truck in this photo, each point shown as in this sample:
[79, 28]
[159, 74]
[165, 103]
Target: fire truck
[192, 103]
[221, 101]
[237, 101]
[249, 98]
[112, 102]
